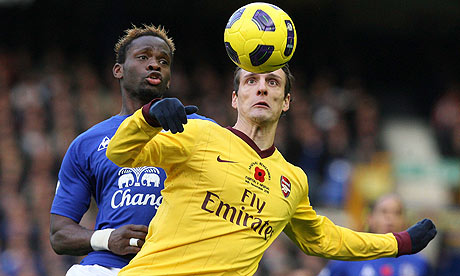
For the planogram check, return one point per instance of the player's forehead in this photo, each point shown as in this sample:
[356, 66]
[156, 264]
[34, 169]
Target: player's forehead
[278, 74]
[149, 42]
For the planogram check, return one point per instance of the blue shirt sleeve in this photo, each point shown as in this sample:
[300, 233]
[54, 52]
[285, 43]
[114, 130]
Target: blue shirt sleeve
[201, 117]
[73, 191]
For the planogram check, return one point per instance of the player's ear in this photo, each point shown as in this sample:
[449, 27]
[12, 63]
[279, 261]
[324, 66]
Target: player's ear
[235, 100]
[286, 102]
[117, 70]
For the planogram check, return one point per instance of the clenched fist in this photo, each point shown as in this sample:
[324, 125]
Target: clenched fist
[119, 239]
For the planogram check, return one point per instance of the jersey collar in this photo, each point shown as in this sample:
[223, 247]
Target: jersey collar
[262, 153]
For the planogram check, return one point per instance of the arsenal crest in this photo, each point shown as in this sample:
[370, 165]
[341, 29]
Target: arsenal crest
[285, 186]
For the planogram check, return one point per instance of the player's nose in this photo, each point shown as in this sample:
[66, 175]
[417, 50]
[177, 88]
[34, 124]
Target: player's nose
[262, 92]
[262, 88]
[153, 65]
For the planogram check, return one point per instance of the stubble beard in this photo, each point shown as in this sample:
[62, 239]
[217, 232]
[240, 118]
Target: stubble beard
[145, 95]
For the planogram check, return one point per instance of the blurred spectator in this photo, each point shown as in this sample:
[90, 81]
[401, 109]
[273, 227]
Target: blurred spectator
[309, 149]
[386, 215]
[338, 167]
[446, 119]
[369, 180]
[277, 260]
[366, 123]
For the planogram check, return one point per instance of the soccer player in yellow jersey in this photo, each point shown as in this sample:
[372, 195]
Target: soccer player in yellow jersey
[230, 193]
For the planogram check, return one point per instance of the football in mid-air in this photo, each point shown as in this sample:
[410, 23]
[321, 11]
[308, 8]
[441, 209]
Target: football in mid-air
[260, 37]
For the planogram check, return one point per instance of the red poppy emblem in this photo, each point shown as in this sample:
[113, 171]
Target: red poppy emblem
[259, 174]
[285, 186]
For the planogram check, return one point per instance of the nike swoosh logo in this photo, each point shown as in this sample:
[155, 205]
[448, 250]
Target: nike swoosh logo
[224, 161]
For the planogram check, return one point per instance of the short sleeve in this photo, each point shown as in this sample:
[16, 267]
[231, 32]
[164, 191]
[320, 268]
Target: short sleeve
[73, 191]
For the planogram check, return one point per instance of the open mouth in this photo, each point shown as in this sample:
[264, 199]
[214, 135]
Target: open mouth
[154, 78]
[261, 104]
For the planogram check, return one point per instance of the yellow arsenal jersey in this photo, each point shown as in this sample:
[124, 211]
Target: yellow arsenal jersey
[225, 201]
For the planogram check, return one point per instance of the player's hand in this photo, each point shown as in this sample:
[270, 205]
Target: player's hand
[416, 237]
[171, 114]
[421, 234]
[119, 241]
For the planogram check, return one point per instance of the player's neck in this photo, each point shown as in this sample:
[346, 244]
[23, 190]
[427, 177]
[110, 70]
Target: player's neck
[263, 136]
[129, 105]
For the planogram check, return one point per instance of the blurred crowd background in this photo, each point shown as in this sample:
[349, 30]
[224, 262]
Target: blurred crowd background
[375, 109]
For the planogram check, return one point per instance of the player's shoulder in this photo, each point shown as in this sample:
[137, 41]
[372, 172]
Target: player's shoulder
[98, 133]
[201, 122]
[200, 117]
[295, 175]
[288, 165]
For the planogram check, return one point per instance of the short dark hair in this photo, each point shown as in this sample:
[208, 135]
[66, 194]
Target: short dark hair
[287, 86]
[134, 32]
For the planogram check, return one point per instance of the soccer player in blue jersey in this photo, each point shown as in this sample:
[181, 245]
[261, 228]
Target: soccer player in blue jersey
[127, 198]
[386, 215]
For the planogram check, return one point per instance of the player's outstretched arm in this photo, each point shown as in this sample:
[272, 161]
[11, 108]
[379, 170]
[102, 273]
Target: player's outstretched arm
[416, 237]
[169, 113]
[127, 148]
[69, 238]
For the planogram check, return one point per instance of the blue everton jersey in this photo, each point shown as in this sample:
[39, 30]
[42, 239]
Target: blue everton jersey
[407, 265]
[123, 195]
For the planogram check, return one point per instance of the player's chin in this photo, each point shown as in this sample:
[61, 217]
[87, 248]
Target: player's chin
[261, 117]
[265, 112]
[149, 86]
[150, 93]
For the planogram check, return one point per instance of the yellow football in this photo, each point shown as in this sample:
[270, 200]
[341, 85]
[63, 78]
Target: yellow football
[260, 37]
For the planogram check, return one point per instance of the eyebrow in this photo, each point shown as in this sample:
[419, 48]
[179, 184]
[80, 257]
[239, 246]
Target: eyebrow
[146, 48]
[150, 49]
[270, 75]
